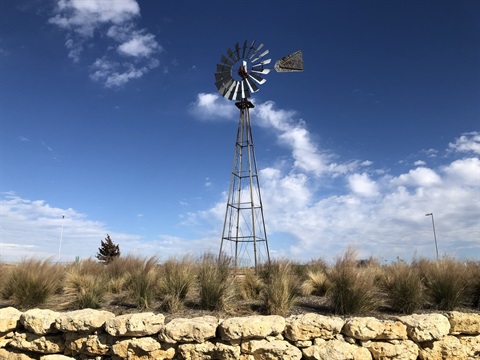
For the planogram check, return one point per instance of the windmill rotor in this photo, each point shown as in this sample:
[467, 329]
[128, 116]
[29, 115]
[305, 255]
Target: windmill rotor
[242, 69]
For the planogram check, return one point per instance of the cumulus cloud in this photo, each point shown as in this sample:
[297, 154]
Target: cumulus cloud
[469, 142]
[114, 21]
[380, 212]
[212, 107]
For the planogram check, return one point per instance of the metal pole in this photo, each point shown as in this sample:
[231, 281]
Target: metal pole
[434, 234]
[61, 238]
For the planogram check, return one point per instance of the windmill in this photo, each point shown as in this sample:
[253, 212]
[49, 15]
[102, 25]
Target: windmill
[240, 74]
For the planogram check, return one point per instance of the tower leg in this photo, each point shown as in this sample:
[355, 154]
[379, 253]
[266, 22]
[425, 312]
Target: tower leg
[244, 236]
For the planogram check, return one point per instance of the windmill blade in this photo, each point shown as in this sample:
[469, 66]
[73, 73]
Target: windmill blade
[222, 76]
[226, 61]
[290, 63]
[230, 90]
[251, 85]
[244, 48]
[256, 51]
[252, 48]
[263, 71]
[264, 62]
[223, 86]
[223, 68]
[260, 56]
[233, 95]
[237, 50]
[258, 79]
[232, 56]
[245, 90]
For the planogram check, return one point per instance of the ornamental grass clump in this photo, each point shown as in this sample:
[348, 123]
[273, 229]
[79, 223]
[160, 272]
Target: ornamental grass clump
[403, 288]
[251, 285]
[85, 281]
[32, 282]
[353, 289]
[215, 283]
[315, 283]
[176, 278]
[446, 283]
[473, 276]
[142, 281]
[281, 288]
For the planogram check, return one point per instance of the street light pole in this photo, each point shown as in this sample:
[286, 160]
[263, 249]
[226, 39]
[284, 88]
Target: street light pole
[434, 235]
[61, 238]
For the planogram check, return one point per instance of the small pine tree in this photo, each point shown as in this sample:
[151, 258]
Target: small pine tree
[108, 251]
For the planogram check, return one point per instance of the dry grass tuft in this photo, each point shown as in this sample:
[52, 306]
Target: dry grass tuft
[281, 287]
[32, 282]
[142, 281]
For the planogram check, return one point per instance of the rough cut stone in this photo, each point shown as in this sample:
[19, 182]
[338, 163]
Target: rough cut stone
[271, 350]
[426, 327]
[43, 344]
[394, 350]
[13, 355]
[227, 351]
[40, 321]
[472, 345]
[141, 324]
[251, 327]
[145, 348]
[205, 350]
[9, 319]
[93, 344]
[463, 323]
[5, 338]
[310, 326]
[369, 328]
[82, 320]
[448, 348]
[56, 357]
[189, 330]
[336, 350]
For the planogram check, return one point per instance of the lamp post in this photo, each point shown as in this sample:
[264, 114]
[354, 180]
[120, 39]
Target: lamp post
[61, 238]
[434, 235]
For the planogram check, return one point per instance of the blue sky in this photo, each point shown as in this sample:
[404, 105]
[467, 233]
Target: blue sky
[109, 115]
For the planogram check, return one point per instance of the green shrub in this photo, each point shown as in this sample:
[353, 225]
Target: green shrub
[281, 287]
[32, 282]
[403, 288]
[353, 289]
[215, 283]
[446, 282]
[177, 277]
[142, 282]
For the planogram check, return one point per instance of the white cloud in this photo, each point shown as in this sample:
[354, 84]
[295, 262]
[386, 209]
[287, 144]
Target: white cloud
[140, 45]
[362, 185]
[86, 16]
[468, 142]
[420, 176]
[113, 21]
[383, 214]
[211, 107]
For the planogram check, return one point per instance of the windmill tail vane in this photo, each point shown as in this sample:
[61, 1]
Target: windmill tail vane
[241, 71]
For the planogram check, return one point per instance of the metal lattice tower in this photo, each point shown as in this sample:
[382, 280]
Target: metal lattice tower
[244, 236]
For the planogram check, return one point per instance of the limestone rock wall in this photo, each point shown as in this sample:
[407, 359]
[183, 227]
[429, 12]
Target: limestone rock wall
[98, 335]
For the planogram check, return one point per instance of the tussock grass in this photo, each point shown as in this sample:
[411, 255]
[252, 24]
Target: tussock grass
[316, 283]
[281, 287]
[403, 288]
[142, 281]
[473, 278]
[446, 282]
[32, 282]
[177, 277]
[251, 285]
[353, 289]
[215, 283]
[85, 281]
